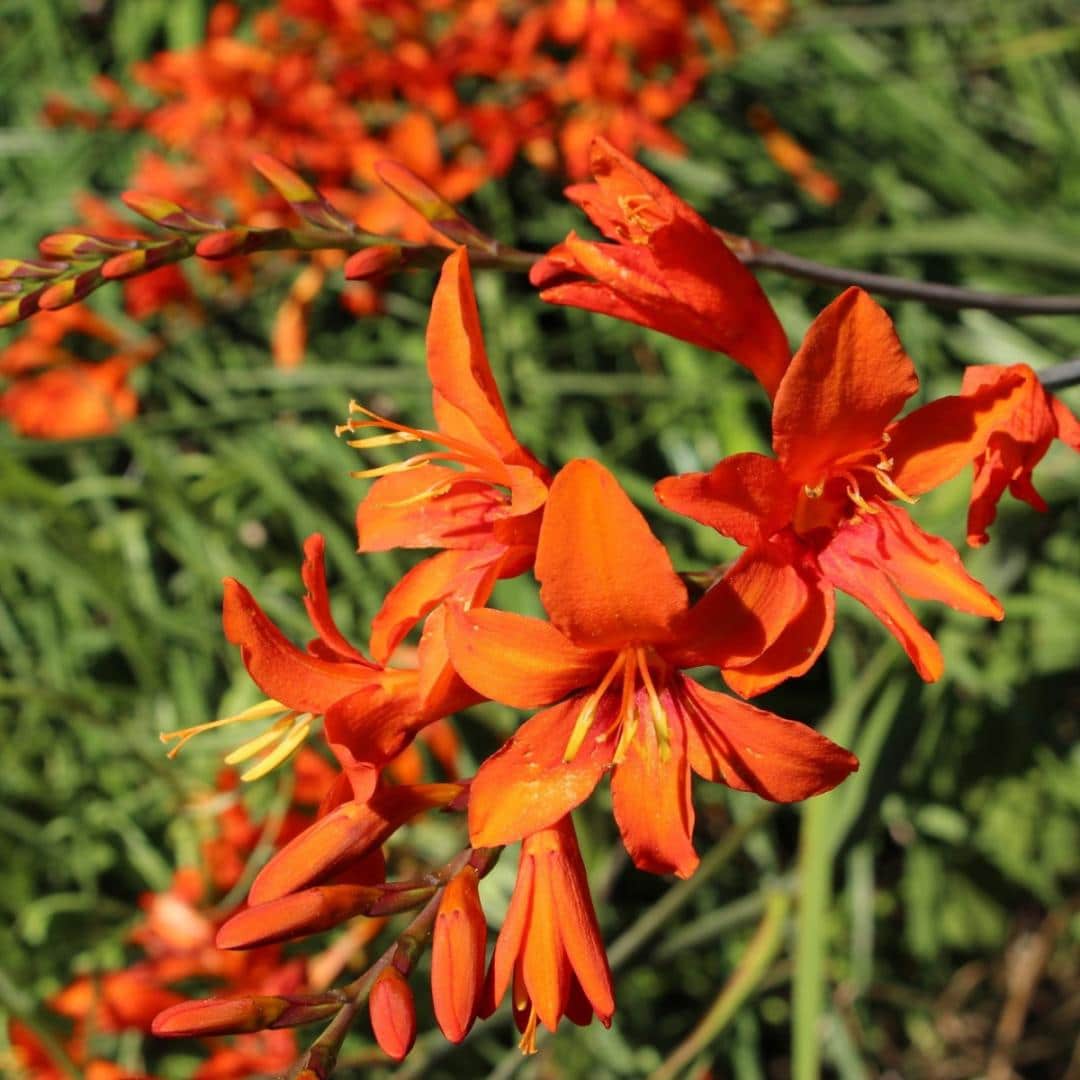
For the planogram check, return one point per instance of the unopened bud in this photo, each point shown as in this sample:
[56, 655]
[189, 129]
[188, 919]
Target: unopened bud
[457, 955]
[168, 214]
[69, 245]
[301, 196]
[393, 1013]
[373, 262]
[218, 1016]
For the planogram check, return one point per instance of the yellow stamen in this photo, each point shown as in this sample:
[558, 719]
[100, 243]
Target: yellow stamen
[527, 1045]
[893, 488]
[261, 742]
[588, 711]
[394, 438]
[388, 470]
[282, 752]
[659, 716]
[814, 492]
[627, 718]
[256, 712]
[856, 497]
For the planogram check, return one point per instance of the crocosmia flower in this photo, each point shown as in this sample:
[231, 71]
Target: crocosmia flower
[668, 269]
[621, 629]
[549, 950]
[823, 512]
[479, 494]
[1017, 445]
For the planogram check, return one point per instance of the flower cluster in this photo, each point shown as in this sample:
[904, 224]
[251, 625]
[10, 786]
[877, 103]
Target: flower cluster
[621, 667]
[456, 91]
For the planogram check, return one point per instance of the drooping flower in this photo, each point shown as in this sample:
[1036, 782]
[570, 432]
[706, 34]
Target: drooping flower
[371, 712]
[485, 512]
[1017, 445]
[621, 629]
[822, 514]
[549, 950]
[668, 269]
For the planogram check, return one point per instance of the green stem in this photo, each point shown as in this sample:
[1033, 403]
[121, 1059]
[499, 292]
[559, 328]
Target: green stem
[745, 979]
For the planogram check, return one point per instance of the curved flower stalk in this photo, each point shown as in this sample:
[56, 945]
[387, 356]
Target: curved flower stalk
[621, 630]
[823, 515]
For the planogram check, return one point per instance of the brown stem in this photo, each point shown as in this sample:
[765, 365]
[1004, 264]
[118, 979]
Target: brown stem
[320, 1058]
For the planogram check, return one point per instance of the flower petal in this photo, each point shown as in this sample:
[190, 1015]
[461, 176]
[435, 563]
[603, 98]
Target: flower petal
[746, 496]
[924, 566]
[651, 799]
[518, 660]
[749, 749]
[796, 650]
[526, 786]
[317, 602]
[933, 443]
[467, 576]
[745, 611]
[605, 580]
[429, 506]
[844, 385]
[467, 401]
[577, 920]
[302, 682]
[870, 585]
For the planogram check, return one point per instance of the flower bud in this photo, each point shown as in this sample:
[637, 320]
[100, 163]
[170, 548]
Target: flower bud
[393, 1013]
[457, 956]
[218, 1016]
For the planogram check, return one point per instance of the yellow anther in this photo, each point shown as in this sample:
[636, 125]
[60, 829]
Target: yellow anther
[814, 492]
[893, 488]
[656, 708]
[282, 752]
[256, 712]
[261, 742]
[394, 438]
[856, 497]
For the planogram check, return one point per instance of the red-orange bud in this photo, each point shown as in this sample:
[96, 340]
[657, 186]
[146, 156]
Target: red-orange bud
[82, 245]
[218, 1016]
[373, 262]
[457, 955]
[68, 291]
[168, 214]
[393, 1013]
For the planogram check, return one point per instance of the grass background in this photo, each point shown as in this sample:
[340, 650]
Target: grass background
[893, 923]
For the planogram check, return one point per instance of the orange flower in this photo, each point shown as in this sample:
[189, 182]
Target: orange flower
[549, 948]
[372, 712]
[486, 512]
[620, 631]
[1016, 446]
[821, 514]
[72, 402]
[668, 270]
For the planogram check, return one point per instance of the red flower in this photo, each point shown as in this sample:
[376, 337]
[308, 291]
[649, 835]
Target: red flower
[821, 515]
[668, 269]
[620, 631]
[549, 948]
[1017, 445]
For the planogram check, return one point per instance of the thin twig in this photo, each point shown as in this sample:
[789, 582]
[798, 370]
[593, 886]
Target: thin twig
[762, 257]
